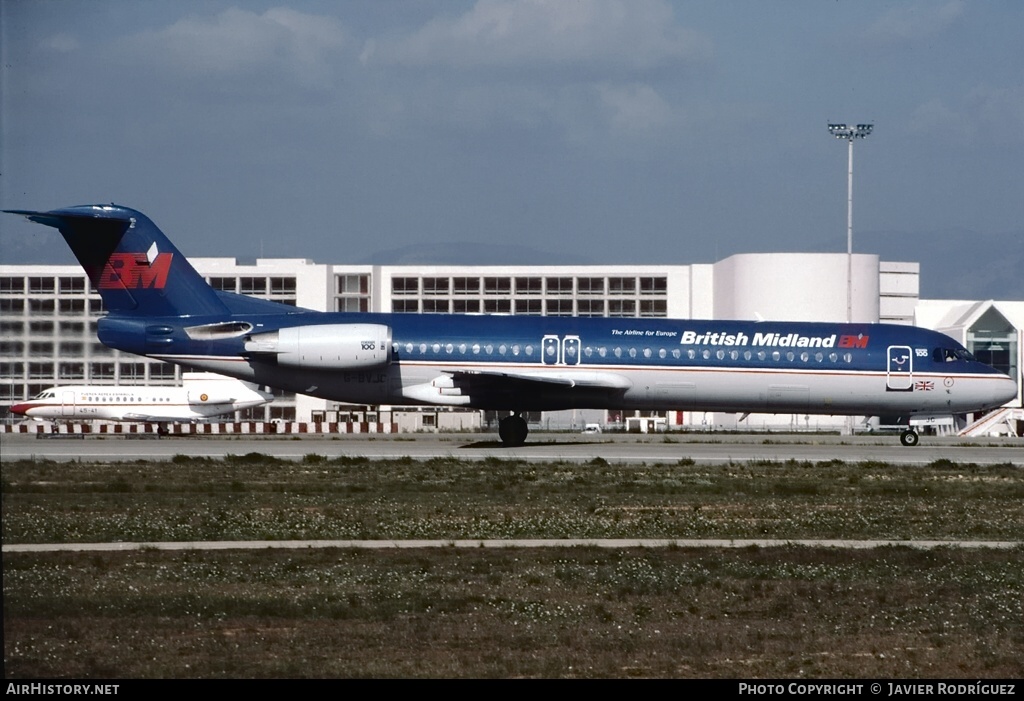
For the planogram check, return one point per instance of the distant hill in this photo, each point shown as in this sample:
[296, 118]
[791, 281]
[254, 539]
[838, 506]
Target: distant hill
[997, 271]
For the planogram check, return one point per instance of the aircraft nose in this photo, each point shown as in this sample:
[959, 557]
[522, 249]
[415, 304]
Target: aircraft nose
[1007, 390]
[21, 409]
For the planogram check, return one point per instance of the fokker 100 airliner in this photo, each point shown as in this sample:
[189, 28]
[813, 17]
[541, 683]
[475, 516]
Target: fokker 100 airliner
[160, 307]
[202, 396]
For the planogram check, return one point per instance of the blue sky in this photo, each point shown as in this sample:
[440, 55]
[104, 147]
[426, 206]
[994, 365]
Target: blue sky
[600, 131]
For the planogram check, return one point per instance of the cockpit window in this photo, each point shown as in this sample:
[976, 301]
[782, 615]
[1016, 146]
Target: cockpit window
[949, 355]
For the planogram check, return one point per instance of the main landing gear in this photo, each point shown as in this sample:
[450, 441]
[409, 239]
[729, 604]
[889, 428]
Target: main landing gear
[513, 430]
[910, 438]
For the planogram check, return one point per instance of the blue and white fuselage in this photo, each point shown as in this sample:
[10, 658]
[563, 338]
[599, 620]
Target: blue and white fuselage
[548, 363]
[161, 308]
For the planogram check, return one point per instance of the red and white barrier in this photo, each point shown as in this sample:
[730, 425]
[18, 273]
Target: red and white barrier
[227, 428]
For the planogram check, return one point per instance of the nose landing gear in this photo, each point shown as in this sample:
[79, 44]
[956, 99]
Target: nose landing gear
[910, 438]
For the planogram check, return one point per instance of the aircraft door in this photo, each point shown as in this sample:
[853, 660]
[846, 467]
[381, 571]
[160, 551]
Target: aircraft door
[560, 351]
[571, 350]
[67, 403]
[549, 353]
[899, 369]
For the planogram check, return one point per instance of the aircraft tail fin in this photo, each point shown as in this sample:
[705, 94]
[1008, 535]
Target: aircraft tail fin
[129, 261]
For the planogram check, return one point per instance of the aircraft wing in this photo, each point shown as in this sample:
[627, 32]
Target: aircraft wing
[563, 378]
[485, 388]
[152, 418]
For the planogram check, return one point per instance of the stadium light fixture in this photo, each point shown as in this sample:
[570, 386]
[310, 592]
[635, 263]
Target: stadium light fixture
[851, 133]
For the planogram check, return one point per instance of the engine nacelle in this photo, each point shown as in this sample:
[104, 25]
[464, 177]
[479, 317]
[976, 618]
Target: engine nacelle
[327, 346]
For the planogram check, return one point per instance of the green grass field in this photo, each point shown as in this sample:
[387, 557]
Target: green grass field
[548, 612]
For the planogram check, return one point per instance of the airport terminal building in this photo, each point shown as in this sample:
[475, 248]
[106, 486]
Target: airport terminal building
[48, 315]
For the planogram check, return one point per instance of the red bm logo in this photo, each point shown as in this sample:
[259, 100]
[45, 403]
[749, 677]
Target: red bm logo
[853, 341]
[132, 271]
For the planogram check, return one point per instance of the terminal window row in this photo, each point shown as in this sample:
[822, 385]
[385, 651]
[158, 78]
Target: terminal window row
[10, 348]
[77, 370]
[43, 285]
[529, 285]
[254, 285]
[20, 392]
[10, 393]
[535, 307]
[359, 284]
[47, 328]
[17, 307]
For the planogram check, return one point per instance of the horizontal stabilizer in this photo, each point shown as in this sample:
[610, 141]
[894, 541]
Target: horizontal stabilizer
[130, 262]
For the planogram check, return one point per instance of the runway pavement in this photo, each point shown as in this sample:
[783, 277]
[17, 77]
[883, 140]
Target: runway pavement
[713, 448]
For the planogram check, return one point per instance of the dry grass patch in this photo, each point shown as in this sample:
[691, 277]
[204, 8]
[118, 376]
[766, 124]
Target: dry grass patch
[580, 612]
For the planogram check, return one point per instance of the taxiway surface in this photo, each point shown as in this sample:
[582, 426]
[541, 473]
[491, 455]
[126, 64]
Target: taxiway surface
[615, 448]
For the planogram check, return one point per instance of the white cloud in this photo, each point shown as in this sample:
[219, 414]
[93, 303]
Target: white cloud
[633, 35]
[635, 108]
[909, 22]
[239, 41]
[588, 68]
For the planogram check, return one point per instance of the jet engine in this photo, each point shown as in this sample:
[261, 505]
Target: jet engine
[326, 346]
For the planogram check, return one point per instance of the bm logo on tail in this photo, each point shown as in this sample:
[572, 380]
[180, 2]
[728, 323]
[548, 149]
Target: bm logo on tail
[134, 271]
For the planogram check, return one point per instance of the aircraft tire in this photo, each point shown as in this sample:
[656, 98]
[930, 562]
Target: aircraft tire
[512, 430]
[910, 438]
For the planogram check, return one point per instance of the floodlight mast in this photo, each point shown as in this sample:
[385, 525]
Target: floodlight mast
[850, 133]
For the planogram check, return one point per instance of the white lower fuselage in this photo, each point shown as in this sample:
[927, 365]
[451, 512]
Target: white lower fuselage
[729, 389]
